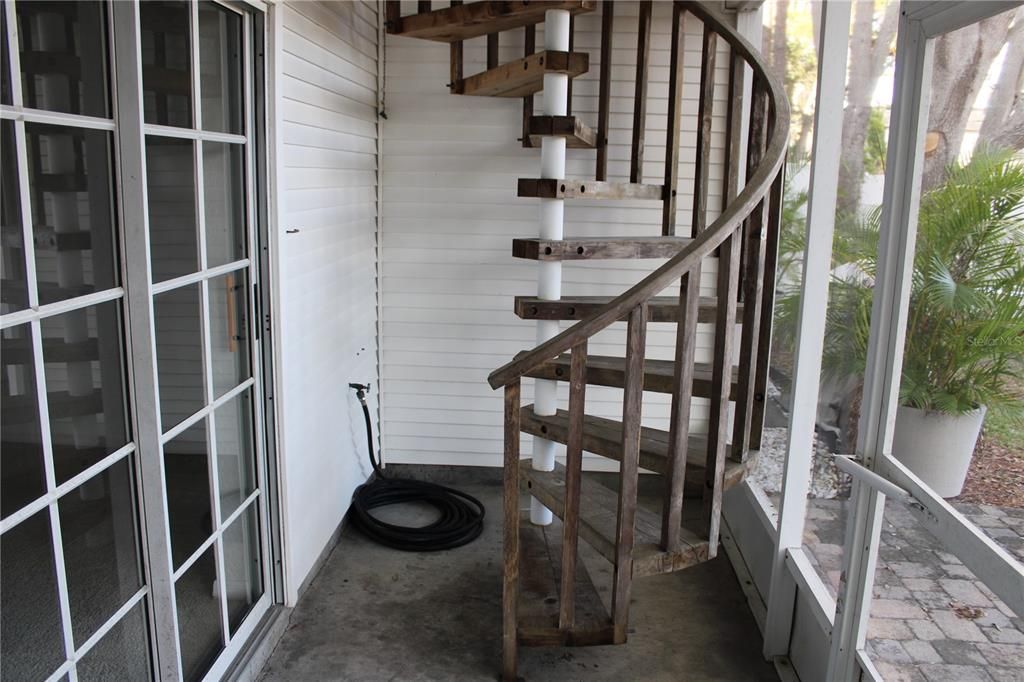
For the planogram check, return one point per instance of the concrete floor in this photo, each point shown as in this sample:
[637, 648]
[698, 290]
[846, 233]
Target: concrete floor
[377, 614]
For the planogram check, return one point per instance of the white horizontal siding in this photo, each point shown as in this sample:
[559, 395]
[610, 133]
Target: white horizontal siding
[327, 177]
[450, 212]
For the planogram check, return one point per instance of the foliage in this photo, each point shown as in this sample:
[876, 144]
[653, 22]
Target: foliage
[965, 329]
[875, 142]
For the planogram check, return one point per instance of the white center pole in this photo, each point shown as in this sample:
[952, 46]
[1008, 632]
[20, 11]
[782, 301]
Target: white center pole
[552, 212]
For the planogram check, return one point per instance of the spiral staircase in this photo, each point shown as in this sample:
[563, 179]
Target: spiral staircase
[548, 597]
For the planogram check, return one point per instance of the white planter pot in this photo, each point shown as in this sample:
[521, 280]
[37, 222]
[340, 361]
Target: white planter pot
[936, 446]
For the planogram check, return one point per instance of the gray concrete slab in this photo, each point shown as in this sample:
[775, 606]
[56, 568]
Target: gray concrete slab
[376, 614]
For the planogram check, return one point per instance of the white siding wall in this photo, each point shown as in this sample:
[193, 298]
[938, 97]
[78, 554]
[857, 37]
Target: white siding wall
[327, 164]
[449, 171]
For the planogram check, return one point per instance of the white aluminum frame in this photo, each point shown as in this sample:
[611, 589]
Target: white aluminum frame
[128, 170]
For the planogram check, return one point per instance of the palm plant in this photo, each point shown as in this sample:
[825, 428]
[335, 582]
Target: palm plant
[965, 329]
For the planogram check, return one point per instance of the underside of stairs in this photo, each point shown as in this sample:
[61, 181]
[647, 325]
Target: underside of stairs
[548, 597]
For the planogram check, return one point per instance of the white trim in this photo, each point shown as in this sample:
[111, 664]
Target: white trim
[817, 262]
[193, 134]
[823, 606]
[60, 307]
[201, 276]
[18, 113]
[993, 565]
[214, 536]
[206, 410]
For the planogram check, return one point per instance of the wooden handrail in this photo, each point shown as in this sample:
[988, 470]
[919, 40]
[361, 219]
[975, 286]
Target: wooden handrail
[756, 189]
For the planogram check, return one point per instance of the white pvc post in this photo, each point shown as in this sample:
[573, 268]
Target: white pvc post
[552, 213]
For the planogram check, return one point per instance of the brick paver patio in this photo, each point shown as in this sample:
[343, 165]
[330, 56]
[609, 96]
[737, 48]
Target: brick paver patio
[932, 620]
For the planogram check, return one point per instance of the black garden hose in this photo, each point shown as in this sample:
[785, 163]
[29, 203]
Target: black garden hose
[461, 516]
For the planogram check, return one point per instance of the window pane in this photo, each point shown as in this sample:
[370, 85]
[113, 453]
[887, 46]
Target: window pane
[63, 51]
[220, 66]
[72, 210]
[85, 386]
[166, 63]
[235, 457]
[12, 258]
[21, 445]
[223, 185]
[186, 460]
[123, 653]
[242, 566]
[101, 551]
[199, 628]
[31, 639]
[179, 354]
[229, 331]
[171, 192]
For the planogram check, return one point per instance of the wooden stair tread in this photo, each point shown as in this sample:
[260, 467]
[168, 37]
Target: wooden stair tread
[523, 76]
[540, 569]
[474, 19]
[608, 370]
[577, 134]
[659, 308]
[598, 519]
[553, 188]
[604, 437]
[598, 248]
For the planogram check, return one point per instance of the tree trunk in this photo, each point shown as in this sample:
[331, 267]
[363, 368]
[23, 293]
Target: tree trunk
[961, 64]
[1003, 125]
[779, 42]
[867, 58]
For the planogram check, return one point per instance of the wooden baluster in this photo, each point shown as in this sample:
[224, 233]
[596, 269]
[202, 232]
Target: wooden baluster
[682, 393]
[643, 57]
[605, 88]
[675, 98]
[721, 382]
[510, 587]
[529, 47]
[752, 279]
[572, 42]
[573, 475]
[393, 14]
[455, 59]
[423, 6]
[628, 470]
[734, 129]
[705, 109]
[492, 50]
[764, 343]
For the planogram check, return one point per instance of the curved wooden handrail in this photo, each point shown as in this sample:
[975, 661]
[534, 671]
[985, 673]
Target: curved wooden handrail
[756, 189]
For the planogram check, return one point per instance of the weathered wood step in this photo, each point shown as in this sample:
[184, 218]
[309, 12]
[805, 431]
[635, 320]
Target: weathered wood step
[598, 248]
[480, 18]
[604, 437]
[524, 76]
[577, 134]
[540, 570]
[552, 188]
[659, 308]
[608, 370]
[598, 522]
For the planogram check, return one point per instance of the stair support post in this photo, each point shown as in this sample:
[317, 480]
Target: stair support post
[552, 218]
[573, 475]
[510, 584]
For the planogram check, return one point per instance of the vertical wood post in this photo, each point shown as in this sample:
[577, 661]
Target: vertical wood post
[605, 88]
[705, 109]
[682, 394]
[734, 129]
[393, 13]
[643, 57]
[455, 59]
[492, 50]
[636, 333]
[753, 278]
[529, 47]
[572, 42]
[675, 98]
[721, 380]
[510, 585]
[573, 474]
[423, 6]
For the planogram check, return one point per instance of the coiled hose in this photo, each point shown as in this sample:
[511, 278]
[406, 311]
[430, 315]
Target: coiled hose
[461, 517]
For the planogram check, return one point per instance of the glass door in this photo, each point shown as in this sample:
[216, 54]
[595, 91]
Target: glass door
[133, 525]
